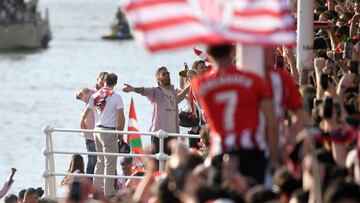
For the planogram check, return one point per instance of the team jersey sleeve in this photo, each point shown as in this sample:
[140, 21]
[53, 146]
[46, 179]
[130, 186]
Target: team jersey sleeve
[292, 98]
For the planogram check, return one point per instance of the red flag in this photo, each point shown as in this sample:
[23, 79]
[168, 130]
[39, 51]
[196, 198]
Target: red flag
[165, 24]
[134, 140]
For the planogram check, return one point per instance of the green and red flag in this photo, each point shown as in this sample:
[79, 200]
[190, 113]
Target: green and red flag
[134, 140]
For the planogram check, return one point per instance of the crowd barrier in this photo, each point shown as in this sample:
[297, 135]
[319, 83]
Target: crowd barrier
[50, 174]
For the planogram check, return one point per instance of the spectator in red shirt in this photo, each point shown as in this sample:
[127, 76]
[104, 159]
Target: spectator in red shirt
[232, 100]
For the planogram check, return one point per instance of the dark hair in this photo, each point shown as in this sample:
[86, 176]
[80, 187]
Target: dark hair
[102, 74]
[308, 93]
[334, 14]
[340, 189]
[21, 194]
[320, 9]
[111, 79]
[166, 193]
[350, 103]
[40, 191]
[11, 199]
[320, 43]
[126, 160]
[46, 200]
[30, 191]
[327, 15]
[343, 30]
[219, 50]
[76, 163]
[286, 183]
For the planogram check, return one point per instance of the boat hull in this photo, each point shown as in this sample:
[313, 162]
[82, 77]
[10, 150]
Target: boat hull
[32, 34]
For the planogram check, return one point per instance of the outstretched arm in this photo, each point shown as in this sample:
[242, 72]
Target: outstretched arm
[128, 88]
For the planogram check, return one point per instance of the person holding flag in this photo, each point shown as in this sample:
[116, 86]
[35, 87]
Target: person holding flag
[108, 109]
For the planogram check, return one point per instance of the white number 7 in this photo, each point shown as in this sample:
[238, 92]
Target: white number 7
[230, 99]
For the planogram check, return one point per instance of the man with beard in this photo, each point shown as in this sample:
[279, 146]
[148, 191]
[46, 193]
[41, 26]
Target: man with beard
[164, 99]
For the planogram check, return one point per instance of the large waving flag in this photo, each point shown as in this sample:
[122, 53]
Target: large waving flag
[134, 140]
[165, 24]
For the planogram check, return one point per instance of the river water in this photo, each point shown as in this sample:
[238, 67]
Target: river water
[38, 87]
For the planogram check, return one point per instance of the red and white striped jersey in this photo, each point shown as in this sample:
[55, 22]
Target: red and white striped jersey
[231, 101]
[285, 95]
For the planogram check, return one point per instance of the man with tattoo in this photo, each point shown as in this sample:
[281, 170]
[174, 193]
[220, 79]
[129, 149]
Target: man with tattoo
[164, 99]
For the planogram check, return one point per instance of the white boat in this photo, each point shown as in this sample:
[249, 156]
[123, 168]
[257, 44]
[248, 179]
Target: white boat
[34, 33]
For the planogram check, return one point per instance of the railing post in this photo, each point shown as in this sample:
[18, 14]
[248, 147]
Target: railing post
[50, 181]
[161, 156]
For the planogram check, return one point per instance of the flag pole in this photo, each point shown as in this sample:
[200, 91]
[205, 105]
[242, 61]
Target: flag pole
[305, 38]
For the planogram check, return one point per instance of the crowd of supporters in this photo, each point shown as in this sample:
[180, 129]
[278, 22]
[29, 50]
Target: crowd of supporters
[316, 156]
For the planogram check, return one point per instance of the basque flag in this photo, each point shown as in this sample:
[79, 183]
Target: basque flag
[134, 140]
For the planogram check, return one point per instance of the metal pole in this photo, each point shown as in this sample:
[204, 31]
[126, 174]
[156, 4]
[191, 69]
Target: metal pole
[52, 169]
[47, 187]
[305, 38]
[161, 151]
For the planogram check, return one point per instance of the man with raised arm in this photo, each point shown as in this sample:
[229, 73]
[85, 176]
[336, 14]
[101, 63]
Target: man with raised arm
[164, 99]
[84, 95]
[232, 100]
[108, 109]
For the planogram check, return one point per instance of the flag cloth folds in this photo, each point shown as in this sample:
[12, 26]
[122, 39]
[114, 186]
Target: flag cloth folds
[134, 140]
[166, 24]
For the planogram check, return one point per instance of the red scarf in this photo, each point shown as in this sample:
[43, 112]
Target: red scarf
[100, 98]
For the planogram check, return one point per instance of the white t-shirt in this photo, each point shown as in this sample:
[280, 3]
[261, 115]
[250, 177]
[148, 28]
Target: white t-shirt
[108, 117]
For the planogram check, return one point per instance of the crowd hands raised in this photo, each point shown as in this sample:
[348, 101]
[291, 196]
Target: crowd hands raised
[304, 147]
[30, 195]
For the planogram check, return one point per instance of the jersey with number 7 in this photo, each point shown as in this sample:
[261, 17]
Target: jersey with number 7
[231, 102]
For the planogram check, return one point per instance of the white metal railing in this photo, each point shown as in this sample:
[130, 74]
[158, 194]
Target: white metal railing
[50, 173]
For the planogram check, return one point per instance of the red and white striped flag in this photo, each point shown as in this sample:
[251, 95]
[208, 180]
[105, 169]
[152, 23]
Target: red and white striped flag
[165, 24]
[201, 54]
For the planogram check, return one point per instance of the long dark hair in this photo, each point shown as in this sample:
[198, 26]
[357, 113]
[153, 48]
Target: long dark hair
[76, 163]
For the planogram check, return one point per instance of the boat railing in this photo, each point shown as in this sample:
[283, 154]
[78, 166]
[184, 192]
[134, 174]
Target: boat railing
[50, 174]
